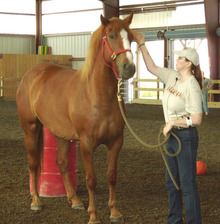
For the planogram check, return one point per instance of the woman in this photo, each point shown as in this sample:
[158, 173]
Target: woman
[182, 112]
[206, 86]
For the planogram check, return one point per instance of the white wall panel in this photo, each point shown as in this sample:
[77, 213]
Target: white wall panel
[182, 15]
[75, 45]
[17, 44]
[152, 19]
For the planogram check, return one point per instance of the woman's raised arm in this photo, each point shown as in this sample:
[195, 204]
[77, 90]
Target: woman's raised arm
[151, 67]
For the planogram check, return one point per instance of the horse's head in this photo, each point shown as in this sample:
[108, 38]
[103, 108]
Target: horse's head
[117, 46]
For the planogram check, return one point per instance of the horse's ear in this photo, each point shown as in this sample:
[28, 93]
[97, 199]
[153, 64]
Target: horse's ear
[104, 20]
[129, 18]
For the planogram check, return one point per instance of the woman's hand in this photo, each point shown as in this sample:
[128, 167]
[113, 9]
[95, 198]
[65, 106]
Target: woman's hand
[138, 37]
[167, 128]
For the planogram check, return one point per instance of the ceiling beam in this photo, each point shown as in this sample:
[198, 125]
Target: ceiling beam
[163, 3]
[156, 6]
[111, 8]
[38, 24]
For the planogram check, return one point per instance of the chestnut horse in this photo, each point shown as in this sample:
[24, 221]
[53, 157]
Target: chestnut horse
[79, 105]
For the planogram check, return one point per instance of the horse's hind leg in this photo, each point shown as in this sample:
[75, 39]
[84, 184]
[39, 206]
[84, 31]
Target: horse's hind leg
[34, 145]
[62, 162]
[113, 151]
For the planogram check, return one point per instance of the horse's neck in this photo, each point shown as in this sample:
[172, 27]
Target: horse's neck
[102, 81]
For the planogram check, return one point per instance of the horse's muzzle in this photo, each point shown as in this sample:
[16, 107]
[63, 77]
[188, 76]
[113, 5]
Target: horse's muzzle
[127, 70]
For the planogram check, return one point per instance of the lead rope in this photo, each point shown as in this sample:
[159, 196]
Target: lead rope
[160, 145]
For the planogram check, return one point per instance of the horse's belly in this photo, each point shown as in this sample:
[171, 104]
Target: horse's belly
[56, 119]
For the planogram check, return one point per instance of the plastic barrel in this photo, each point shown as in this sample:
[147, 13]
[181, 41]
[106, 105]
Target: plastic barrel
[51, 182]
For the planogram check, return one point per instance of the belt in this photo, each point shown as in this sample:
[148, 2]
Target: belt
[181, 128]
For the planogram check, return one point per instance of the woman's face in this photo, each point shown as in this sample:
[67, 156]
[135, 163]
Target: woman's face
[181, 63]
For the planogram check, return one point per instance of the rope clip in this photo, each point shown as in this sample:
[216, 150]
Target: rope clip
[113, 56]
[119, 92]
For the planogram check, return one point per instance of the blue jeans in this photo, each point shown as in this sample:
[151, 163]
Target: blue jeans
[183, 168]
[205, 103]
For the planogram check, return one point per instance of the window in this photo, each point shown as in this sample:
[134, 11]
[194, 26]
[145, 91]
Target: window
[69, 5]
[17, 17]
[189, 15]
[59, 16]
[15, 6]
[67, 16]
[71, 22]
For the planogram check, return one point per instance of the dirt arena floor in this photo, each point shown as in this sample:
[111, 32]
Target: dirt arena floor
[142, 196]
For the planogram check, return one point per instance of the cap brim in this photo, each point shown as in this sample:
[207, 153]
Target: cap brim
[179, 53]
[183, 53]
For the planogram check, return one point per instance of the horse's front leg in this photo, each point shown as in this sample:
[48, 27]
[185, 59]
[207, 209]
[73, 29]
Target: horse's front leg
[113, 151]
[87, 155]
[63, 147]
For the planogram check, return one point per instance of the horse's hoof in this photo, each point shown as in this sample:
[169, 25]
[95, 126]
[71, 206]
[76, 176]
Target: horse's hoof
[36, 207]
[79, 207]
[116, 219]
[36, 204]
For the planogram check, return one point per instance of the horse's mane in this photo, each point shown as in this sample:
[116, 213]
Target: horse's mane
[94, 46]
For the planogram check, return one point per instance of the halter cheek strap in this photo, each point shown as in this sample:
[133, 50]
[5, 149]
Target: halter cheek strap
[113, 54]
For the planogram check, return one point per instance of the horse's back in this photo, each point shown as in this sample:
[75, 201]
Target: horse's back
[41, 73]
[44, 69]
[40, 85]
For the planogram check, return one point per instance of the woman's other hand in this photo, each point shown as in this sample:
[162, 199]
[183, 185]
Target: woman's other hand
[167, 128]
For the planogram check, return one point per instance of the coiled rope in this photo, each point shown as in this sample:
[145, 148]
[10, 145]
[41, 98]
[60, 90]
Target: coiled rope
[161, 144]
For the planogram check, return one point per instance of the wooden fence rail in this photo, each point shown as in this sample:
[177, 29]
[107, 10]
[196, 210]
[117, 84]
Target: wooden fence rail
[157, 101]
[11, 84]
[5, 86]
[14, 66]
[137, 91]
[211, 102]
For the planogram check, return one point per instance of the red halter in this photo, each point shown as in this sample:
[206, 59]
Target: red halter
[113, 54]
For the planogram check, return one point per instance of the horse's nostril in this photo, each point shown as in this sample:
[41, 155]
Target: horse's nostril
[129, 67]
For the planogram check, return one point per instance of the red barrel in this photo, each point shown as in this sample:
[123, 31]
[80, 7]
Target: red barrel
[51, 182]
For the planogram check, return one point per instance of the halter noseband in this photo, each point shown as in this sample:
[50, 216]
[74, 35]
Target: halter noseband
[113, 54]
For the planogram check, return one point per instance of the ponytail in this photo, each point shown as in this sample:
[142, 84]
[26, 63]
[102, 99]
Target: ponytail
[196, 71]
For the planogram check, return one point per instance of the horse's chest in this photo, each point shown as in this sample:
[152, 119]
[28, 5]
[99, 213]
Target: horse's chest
[109, 129]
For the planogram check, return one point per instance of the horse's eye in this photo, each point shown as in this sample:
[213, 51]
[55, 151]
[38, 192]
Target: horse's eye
[111, 37]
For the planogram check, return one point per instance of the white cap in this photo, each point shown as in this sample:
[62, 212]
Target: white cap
[189, 53]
